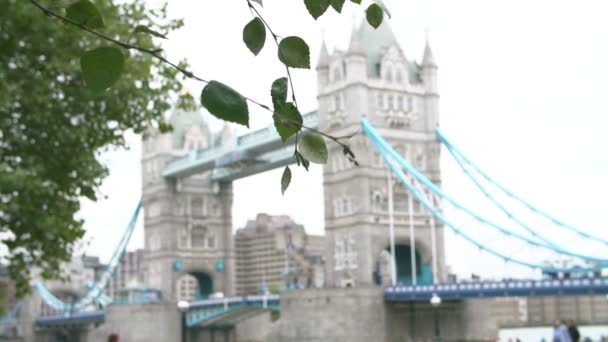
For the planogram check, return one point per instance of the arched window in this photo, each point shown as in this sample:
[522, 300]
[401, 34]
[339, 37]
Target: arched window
[336, 74]
[391, 103]
[389, 75]
[399, 102]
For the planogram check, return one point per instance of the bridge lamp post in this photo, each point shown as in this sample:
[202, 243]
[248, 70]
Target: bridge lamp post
[183, 307]
[435, 303]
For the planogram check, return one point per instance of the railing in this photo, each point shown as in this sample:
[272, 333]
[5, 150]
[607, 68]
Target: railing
[203, 310]
[523, 288]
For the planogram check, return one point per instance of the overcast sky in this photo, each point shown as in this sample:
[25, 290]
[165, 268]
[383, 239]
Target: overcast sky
[523, 88]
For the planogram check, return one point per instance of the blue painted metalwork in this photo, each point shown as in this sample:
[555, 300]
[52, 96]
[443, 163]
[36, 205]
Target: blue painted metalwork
[78, 318]
[219, 265]
[177, 265]
[11, 315]
[519, 288]
[95, 294]
[454, 150]
[254, 152]
[203, 310]
[389, 154]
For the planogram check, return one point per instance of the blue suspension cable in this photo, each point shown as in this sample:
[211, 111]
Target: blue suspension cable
[376, 138]
[497, 204]
[97, 289]
[403, 179]
[383, 147]
[446, 142]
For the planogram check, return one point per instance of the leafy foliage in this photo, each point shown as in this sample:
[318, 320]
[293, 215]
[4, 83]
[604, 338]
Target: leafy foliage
[225, 103]
[285, 179]
[51, 126]
[374, 14]
[313, 148]
[102, 67]
[254, 35]
[316, 8]
[85, 13]
[294, 52]
[337, 5]
[287, 120]
[278, 92]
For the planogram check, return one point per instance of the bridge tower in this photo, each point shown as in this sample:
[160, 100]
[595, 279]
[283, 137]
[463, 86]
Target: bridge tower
[188, 221]
[399, 96]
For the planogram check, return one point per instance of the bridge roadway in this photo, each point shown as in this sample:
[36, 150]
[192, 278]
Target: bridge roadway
[515, 288]
[251, 153]
[203, 310]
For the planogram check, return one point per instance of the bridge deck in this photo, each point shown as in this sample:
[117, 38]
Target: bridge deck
[520, 288]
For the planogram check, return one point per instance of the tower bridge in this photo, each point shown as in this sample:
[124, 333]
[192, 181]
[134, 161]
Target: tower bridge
[384, 224]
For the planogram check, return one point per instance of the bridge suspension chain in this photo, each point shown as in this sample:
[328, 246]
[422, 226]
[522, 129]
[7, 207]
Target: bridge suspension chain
[385, 150]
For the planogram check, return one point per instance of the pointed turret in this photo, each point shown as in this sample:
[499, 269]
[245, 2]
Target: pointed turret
[428, 60]
[356, 46]
[323, 61]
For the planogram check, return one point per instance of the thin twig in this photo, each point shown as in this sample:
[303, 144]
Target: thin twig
[127, 46]
[275, 37]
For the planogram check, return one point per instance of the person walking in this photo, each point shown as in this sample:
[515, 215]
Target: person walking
[575, 336]
[560, 332]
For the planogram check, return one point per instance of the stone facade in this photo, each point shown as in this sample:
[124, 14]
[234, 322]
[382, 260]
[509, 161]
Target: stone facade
[188, 222]
[373, 78]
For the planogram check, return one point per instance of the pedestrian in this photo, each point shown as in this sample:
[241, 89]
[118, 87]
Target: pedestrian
[560, 332]
[575, 336]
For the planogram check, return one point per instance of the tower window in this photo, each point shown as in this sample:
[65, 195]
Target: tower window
[399, 102]
[389, 75]
[380, 100]
[391, 103]
[399, 76]
[378, 69]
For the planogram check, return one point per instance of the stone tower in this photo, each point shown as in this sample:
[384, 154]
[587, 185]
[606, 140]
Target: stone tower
[188, 222]
[374, 78]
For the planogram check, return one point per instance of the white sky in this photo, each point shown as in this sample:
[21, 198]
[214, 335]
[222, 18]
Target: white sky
[523, 92]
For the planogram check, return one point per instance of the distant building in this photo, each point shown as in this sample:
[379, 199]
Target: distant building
[274, 252]
[130, 273]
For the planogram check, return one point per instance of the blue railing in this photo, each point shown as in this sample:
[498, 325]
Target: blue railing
[204, 310]
[518, 288]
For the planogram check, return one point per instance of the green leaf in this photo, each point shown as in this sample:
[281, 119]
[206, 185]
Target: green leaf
[337, 5]
[316, 8]
[85, 13]
[145, 29]
[285, 179]
[313, 148]
[356, 1]
[101, 68]
[374, 15]
[294, 52]
[287, 120]
[225, 103]
[278, 92]
[254, 35]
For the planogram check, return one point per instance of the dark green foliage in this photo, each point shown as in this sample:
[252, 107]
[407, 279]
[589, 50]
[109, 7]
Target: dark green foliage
[374, 14]
[225, 103]
[285, 179]
[294, 52]
[52, 127]
[337, 5]
[254, 35]
[316, 8]
[313, 148]
[287, 120]
[102, 67]
[85, 13]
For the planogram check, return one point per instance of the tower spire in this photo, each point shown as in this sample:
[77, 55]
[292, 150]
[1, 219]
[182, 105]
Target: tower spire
[323, 55]
[355, 46]
[428, 60]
